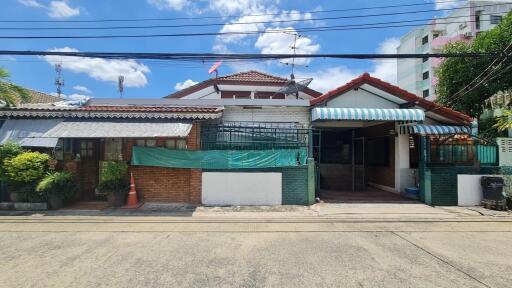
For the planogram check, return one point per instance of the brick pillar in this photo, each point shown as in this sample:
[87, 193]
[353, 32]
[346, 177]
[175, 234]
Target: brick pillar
[195, 186]
[193, 139]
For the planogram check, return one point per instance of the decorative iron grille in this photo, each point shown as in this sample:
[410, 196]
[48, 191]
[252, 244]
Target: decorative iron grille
[254, 136]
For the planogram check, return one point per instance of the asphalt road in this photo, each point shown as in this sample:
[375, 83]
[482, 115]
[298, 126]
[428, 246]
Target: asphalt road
[174, 252]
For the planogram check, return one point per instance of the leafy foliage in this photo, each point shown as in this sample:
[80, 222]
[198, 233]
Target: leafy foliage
[456, 73]
[8, 151]
[10, 93]
[503, 122]
[114, 177]
[57, 184]
[27, 167]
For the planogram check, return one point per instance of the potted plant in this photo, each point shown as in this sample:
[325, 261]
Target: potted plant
[23, 173]
[57, 187]
[114, 182]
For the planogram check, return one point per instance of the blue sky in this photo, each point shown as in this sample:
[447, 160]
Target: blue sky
[150, 79]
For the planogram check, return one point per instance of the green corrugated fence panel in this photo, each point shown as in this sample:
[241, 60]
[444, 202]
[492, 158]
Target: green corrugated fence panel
[486, 154]
[218, 159]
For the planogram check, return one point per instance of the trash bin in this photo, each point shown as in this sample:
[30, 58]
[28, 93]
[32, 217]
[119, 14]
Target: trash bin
[492, 188]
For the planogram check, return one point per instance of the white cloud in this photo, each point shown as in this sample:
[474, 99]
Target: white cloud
[282, 43]
[443, 4]
[55, 9]
[330, 78]
[61, 9]
[31, 3]
[185, 84]
[231, 7]
[176, 5]
[82, 89]
[102, 69]
[386, 69]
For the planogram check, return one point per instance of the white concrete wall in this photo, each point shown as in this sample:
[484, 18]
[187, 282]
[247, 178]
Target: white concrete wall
[469, 190]
[360, 99]
[241, 188]
[267, 114]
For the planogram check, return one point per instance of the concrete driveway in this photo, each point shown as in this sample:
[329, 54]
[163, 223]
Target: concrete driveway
[94, 251]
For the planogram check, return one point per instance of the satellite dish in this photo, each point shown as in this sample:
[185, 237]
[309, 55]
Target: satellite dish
[293, 87]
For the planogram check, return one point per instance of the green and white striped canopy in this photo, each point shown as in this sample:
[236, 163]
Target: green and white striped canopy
[367, 114]
[424, 129]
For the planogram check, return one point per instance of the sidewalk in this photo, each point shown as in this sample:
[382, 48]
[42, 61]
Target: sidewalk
[316, 212]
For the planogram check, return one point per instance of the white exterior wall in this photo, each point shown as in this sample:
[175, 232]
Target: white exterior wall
[209, 92]
[469, 190]
[267, 114]
[236, 188]
[360, 99]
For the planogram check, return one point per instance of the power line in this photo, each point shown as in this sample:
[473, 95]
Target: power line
[252, 15]
[215, 57]
[256, 32]
[238, 23]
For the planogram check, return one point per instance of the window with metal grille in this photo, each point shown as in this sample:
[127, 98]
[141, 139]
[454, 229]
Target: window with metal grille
[496, 19]
[425, 75]
[424, 40]
[426, 93]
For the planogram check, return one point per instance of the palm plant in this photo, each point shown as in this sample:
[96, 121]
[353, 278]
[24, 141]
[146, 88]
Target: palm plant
[504, 121]
[10, 93]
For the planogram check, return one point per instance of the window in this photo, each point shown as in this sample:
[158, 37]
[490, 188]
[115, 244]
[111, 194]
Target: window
[424, 40]
[86, 149]
[113, 149]
[435, 35]
[425, 75]
[145, 142]
[477, 20]
[425, 59]
[496, 19]
[64, 146]
[179, 144]
[426, 93]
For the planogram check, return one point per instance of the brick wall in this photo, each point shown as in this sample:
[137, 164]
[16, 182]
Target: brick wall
[160, 184]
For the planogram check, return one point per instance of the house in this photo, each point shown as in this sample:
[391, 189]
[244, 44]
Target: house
[463, 24]
[367, 140]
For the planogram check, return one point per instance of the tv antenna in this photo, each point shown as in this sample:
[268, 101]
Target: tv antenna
[292, 87]
[59, 81]
[120, 85]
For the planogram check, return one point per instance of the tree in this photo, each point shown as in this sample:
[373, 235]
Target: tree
[456, 73]
[10, 93]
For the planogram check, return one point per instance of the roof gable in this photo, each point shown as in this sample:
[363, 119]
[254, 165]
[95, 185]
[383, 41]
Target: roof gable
[395, 91]
[249, 78]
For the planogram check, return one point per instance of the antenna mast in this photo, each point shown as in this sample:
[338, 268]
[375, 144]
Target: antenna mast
[120, 86]
[59, 81]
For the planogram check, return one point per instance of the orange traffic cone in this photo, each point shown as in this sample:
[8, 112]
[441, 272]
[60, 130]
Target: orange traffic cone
[133, 201]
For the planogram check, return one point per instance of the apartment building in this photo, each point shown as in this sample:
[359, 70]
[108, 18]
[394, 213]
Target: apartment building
[418, 75]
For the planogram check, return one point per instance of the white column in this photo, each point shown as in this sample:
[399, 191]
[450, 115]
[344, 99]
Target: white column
[401, 160]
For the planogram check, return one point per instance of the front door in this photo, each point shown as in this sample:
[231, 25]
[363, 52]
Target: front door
[88, 167]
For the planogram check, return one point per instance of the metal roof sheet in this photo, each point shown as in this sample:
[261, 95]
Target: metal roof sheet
[28, 133]
[118, 129]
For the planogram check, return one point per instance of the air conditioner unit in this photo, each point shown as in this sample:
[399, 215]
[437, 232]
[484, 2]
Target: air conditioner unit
[468, 34]
[504, 151]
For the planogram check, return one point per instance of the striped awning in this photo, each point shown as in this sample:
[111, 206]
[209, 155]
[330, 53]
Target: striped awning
[424, 129]
[367, 114]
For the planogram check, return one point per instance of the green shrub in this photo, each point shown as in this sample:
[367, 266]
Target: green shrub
[114, 177]
[27, 167]
[57, 184]
[7, 151]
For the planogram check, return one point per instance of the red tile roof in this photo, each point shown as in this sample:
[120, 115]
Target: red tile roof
[251, 77]
[254, 76]
[396, 91]
[150, 109]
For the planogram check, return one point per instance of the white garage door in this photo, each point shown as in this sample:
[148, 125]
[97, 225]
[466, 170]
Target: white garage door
[231, 188]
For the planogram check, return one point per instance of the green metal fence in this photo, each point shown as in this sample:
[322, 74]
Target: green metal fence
[463, 153]
[253, 136]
